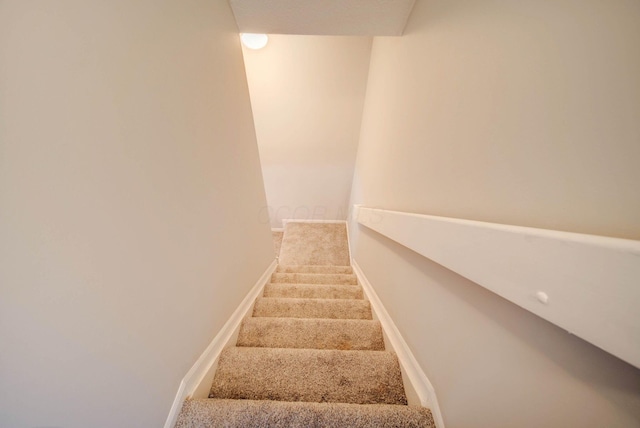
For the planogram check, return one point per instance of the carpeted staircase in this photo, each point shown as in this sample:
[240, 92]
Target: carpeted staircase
[310, 355]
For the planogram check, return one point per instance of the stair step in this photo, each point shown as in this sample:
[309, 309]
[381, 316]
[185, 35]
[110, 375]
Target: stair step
[312, 308]
[314, 269]
[311, 334]
[313, 291]
[213, 413]
[314, 278]
[357, 377]
[315, 244]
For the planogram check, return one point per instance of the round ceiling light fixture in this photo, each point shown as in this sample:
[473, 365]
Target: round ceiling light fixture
[253, 40]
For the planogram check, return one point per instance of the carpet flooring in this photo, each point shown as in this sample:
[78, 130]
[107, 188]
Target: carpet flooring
[214, 413]
[314, 269]
[312, 291]
[315, 244]
[343, 334]
[310, 354]
[314, 278]
[277, 241]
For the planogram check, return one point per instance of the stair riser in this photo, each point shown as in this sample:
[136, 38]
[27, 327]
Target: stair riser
[311, 334]
[313, 291]
[315, 269]
[314, 278]
[312, 308]
[356, 377]
[214, 413]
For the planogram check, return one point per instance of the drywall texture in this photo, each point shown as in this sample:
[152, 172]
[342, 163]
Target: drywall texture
[511, 112]
[307, 94]
[130, 188]
[520, 113]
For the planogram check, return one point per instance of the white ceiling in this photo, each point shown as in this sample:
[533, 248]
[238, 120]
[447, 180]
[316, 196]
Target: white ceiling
[323, 17]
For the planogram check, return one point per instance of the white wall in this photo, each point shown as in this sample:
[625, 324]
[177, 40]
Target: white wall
[307, 94]
[521, 113]
[130, 191]
[491, 363]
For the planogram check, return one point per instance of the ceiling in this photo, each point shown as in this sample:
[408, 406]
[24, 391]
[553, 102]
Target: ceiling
[323, 17]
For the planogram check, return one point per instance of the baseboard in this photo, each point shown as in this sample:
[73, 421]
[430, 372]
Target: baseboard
[349, 242]
[204, 365]
[416, 376]
[277, 229]
[294, 220]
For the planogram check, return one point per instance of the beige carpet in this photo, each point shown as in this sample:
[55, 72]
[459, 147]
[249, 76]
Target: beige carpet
[314, 269]
[311, 334]
[310, 291]
[214, 413]
[312, 375]
[312, 308]
[311, 354]
[277, 241]
[315, 244]
[314, 278]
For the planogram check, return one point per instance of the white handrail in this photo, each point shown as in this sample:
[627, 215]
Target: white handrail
[586, 284]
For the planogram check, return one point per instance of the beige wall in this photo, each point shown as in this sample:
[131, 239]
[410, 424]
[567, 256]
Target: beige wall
[307, 94]
[510, 112]
[522, 113]
[491, 363]
[130, 191]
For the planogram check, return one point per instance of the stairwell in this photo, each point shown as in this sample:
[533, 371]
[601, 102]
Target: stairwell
[311, 354]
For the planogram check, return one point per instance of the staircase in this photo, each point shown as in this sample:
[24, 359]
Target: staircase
[310, 355]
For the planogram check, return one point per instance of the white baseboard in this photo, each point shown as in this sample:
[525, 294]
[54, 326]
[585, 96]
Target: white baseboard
[349, 242]
[203, 366]
[277, 229]
[418, 379]
[295, 220]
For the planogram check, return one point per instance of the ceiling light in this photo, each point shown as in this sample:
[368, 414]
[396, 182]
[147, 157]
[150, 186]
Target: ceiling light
[254, 41]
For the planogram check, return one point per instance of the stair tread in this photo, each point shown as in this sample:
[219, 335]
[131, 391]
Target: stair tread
[357, 377]
[312, 308]
[315, 244]
[313, 291]
[311, 333]
[314, 269]
[314, 278]
[210, 413]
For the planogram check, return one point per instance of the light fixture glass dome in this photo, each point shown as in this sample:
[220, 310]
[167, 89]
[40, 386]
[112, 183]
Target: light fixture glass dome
[254, 41]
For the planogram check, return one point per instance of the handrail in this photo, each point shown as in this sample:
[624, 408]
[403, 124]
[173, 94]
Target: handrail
[586, 284]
